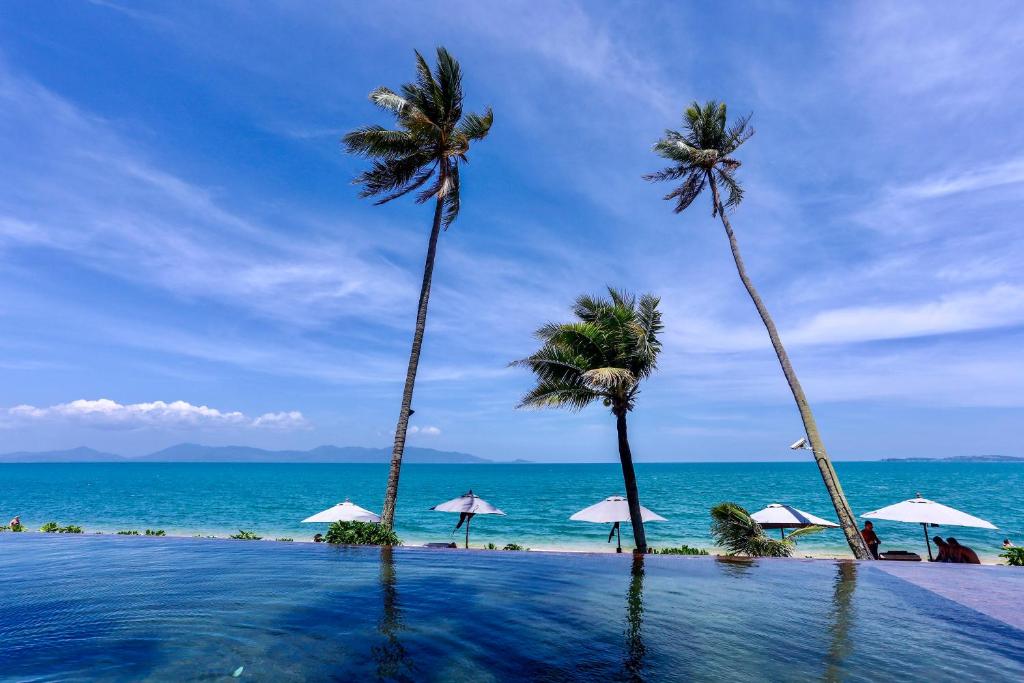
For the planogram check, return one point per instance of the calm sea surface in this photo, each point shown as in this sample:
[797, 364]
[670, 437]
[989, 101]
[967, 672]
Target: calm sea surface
[271, 499]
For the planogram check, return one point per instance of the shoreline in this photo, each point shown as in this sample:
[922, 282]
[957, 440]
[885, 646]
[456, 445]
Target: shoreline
[566, 549]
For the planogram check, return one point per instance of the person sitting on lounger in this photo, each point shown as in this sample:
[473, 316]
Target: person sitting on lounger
[962, 553]
[1007, 543]
[944, 553]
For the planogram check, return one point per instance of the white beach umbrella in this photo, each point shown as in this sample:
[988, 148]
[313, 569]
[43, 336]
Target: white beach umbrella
[467, 505]
[613, 510]
[346, 511]
[924, 512]
[780, 516]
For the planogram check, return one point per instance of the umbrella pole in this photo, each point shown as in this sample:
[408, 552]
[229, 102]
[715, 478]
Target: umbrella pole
[468, 520]
[782, 533]
[618, 529]
[927, 541]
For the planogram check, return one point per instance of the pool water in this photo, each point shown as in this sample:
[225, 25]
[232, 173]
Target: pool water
[131, 608]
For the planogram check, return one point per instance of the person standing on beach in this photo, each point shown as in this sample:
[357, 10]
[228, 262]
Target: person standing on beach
[870, 538]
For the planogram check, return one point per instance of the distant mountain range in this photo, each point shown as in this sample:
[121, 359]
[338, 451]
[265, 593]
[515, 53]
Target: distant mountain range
[961, 458]
[191, 452]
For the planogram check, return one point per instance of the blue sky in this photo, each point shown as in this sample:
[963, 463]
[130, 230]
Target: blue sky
[177, 225]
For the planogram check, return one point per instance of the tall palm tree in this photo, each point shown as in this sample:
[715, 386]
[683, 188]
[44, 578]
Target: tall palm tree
[701, 156]
[422, 155]
[604, 356]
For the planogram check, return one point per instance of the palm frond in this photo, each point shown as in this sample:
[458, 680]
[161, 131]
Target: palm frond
[733, 189]
[452, 194]
[609, 380]
[804, 531]
[558, 395]
[475, 126]
[379, 142]
[388, 100]
[449, 82]
[736, 531]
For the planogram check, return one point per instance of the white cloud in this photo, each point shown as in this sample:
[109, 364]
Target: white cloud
[285, 420]
[109, 414]
[425, 431]
[1009, 172]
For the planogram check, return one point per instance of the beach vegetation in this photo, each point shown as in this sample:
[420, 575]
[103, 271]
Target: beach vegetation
[54, 528]
[155, 532]
[735, 531]
[361, 533]
[423, 154]
[514, 546]
[244, 535]
[17, 527]
[604, 355]
[680, 550]
[1014, 556]
[128, 532]
[702, 156]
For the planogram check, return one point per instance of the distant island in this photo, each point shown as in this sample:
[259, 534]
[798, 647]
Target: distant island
[961, 458]
[191, 452]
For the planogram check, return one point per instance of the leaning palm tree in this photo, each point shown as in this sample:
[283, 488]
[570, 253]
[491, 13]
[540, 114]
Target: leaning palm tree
[423, 156]
[604, 356]
[738, 533]
[701, 156]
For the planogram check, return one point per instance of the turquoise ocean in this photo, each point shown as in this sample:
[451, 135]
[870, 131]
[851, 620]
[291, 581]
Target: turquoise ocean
[271, 499]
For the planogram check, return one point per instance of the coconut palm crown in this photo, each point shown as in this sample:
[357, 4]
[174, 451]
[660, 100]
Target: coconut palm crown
[603, 356]
[432, 139]
[422, 155]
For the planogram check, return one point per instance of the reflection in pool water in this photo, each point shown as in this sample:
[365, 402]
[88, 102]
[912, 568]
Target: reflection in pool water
[124, 608]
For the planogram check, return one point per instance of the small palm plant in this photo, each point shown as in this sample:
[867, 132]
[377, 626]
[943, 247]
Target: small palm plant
[422, 156]
[738, 533]
[603, 356]
[702, 157]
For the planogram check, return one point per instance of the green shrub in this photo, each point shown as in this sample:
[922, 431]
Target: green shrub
[361, 533]
[681, 550]
[155, 532]
[243, 535]
[71, 529]
[514, 546]
[1014, 556]
[734, 529]
[18, 527]
[128, 532]
[50, 528]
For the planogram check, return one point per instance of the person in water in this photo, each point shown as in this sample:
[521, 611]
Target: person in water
[962, 553]
[944, 554]
[870, 538]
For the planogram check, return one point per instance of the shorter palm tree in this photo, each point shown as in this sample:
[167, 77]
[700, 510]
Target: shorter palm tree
[603, 356]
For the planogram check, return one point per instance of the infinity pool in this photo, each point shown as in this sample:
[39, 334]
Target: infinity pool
[125, 608]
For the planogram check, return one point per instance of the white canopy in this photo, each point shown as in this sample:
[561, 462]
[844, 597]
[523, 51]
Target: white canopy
[779, 516]
[343, 512]
[468, 502]
[923, 511]
[613, 509]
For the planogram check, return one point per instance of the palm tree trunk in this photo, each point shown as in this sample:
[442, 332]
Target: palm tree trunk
[629, 479]
[387, 515]
[828, 472]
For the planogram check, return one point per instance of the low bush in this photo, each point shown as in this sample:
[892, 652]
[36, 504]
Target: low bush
[54, 528]
[50, 528]
[128, 532]
[681, 550]
[71, 529]
[1014, 556]
[514, 546]
[17, 527]
[155, 532]
[361, 533]
[243, 535]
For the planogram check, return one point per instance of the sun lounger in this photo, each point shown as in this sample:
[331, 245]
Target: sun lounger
[441, 545]
[900, 556]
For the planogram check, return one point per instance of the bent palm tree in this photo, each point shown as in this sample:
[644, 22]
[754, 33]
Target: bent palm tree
[701, 157]
[604, 356]
[423, 156]
[736, 531]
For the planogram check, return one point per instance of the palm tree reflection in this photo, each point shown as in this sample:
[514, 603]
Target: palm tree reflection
[842, 619]
[635, 649]
[392, 660]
